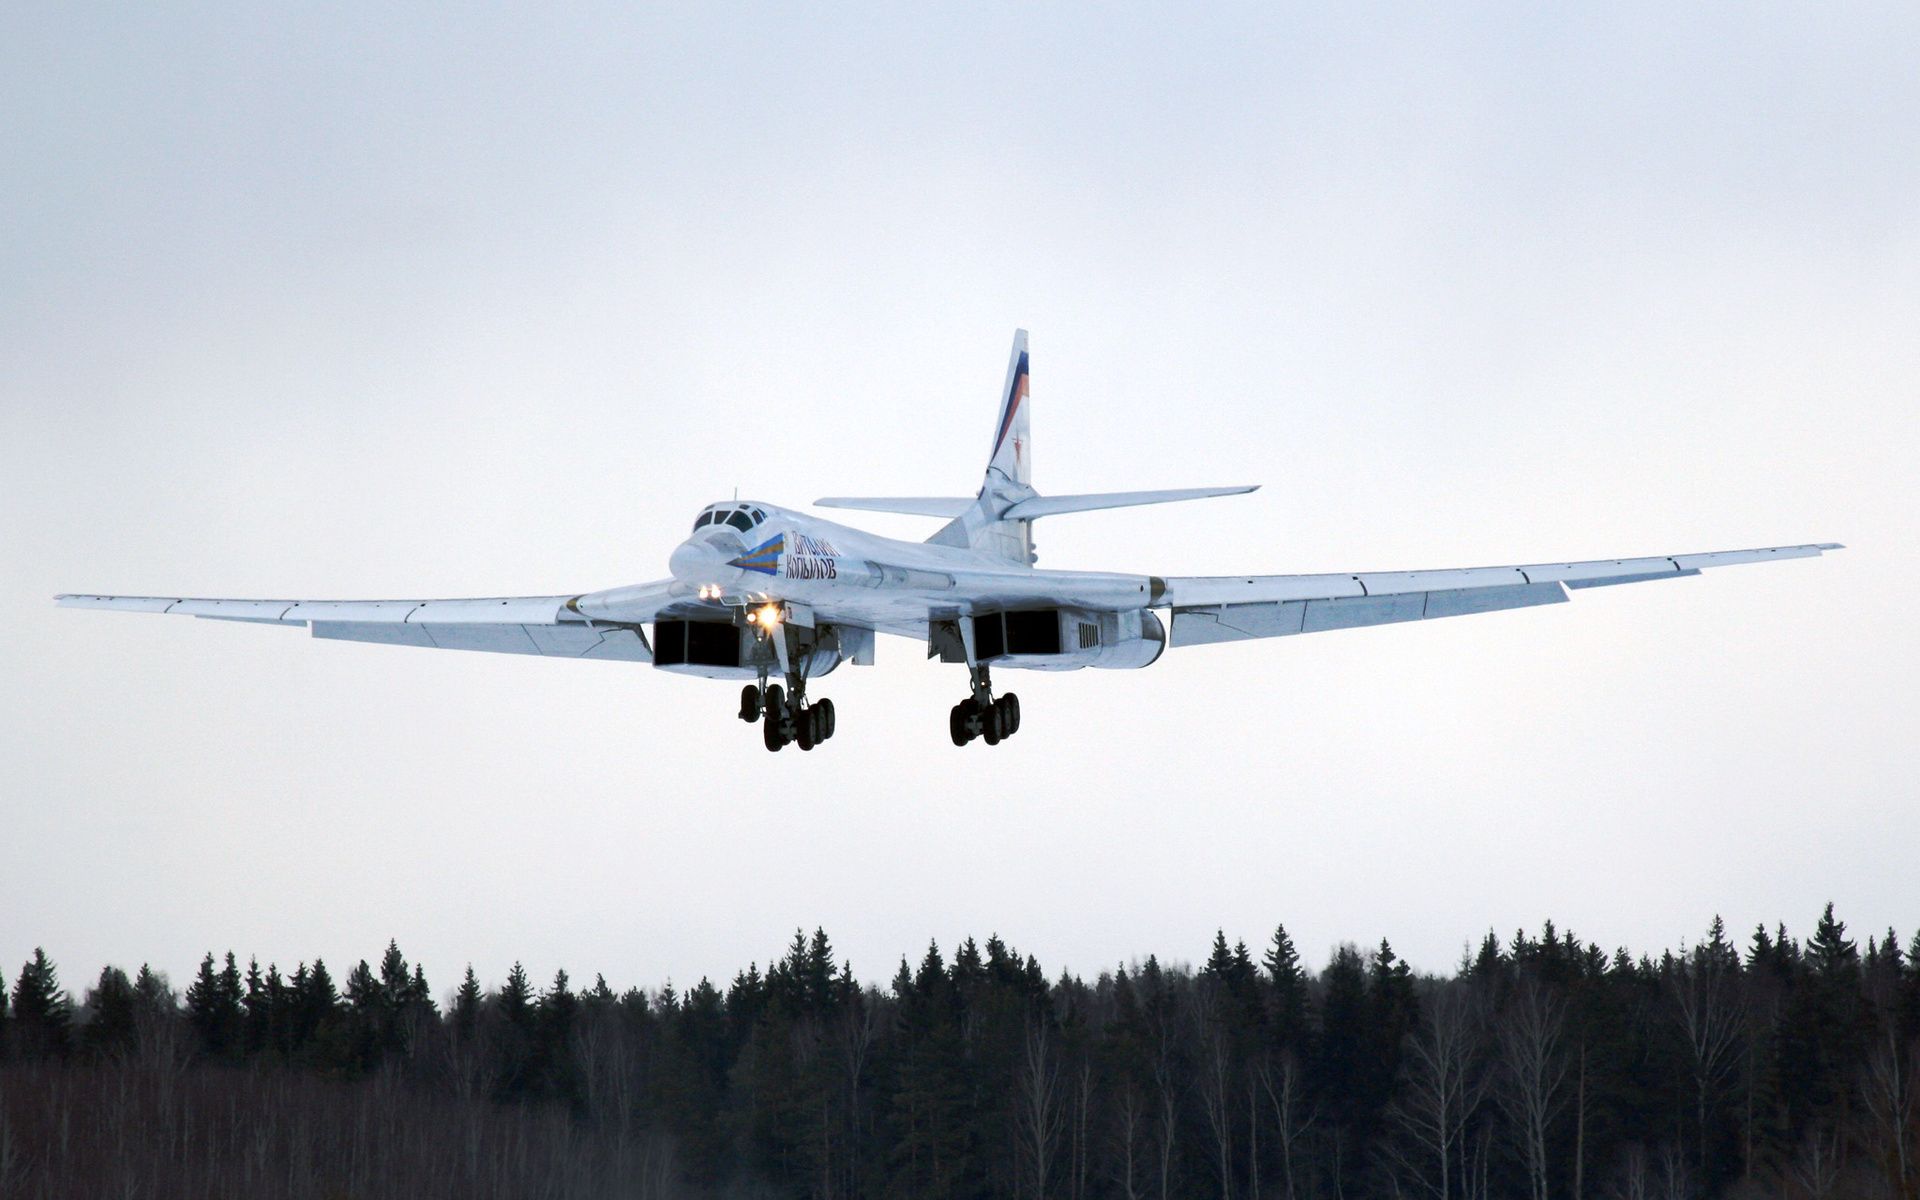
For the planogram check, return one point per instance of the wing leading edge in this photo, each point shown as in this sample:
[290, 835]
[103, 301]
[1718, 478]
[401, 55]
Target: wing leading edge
[1228, 608]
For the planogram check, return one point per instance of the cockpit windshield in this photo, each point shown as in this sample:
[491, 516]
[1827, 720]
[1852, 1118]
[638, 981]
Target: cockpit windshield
[741, 516]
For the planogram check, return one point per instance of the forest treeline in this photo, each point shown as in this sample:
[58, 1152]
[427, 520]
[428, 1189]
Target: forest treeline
[1543, 1067]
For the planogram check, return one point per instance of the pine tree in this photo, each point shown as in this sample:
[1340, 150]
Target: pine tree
[367, 1017]
[42, 1012]
[394, 977]
[1342, 1059]
[516, 998]
[515, 1038]
[1289, 990]
[466, 1006]
[213, 1009]
[110, 1028]
[280, 1016]
[153, 993]
[258, 1006]
[1822, 1031]
[420, 996]
[820, 972]
[315, 1007]
[1830, 952]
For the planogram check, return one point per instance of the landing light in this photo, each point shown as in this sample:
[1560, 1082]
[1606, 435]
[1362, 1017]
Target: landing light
[769, 615]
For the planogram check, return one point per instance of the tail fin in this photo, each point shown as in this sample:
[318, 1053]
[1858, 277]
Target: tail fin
[1012, 457]
[1008, 478]
[999, 521]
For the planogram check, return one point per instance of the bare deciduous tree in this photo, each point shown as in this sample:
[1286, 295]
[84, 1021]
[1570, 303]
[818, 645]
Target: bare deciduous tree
[1292, 1116]
[1533, 1073]
[1130, 1118]
[1217, 1093]
[1443, 1084]
[1816, 1168]
[1705, 986]
[1040, 1112]
[1887, 1091]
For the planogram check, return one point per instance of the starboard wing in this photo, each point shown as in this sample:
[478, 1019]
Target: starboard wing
[554, 626]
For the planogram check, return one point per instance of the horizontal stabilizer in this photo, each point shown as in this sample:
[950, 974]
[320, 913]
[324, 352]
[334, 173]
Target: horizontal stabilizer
[1047, 506]
[919, 506]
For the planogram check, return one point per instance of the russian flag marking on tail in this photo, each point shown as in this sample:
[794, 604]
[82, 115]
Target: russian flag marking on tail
[1012, 453]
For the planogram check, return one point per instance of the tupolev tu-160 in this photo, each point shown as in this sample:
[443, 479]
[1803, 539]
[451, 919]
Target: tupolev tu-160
[777, 598]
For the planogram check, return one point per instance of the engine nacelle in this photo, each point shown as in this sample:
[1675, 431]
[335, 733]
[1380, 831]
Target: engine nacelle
[1065, 639]
[726, 650]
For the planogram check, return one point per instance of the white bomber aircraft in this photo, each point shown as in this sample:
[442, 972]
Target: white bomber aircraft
[777, 598]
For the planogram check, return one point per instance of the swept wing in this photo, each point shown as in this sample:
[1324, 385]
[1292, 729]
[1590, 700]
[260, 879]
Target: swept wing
[1227, 608]
[591, 625]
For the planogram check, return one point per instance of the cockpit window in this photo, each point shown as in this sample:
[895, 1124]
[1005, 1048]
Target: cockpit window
[741, 517]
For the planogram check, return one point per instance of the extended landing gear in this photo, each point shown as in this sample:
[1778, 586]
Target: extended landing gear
[784, 720]
[982, 716]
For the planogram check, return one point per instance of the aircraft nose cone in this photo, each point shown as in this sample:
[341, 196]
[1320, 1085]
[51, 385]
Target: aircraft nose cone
[695, 561]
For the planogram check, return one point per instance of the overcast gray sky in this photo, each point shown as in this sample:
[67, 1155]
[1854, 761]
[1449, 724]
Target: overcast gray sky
[368, 302]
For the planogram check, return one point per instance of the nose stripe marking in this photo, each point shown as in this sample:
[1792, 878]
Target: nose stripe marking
[764, 558]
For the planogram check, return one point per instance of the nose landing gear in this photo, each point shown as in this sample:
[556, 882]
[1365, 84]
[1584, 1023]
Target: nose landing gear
[982, 716]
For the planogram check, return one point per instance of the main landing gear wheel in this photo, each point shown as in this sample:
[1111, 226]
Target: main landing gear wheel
[774, 717]
[994, 722]
[781, 722]
[957, 722]
[750, 704]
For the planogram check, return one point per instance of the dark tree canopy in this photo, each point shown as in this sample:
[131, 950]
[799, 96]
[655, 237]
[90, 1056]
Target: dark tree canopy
[1544, 1067]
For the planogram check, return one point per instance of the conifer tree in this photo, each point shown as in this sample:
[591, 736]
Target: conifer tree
[420, 996]
[394, 978]
[515, 1037]
[153, 993]
[516, 998]
[258, 1009]
[42, 1012]
[213, 1009]
[1288, 982]
[110, 1027]
[367, 1015]
[466, 1006]
[315, 1004]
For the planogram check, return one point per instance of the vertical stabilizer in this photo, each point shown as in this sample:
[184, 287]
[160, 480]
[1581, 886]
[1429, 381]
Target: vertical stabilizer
[1009, 475]
[1012, 456]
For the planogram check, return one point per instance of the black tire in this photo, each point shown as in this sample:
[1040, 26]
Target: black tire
[993, 725]
[776, 701]
[957, 725]
[770, 731]
[750, 703]
[826, 719]
[803, 728]
[1011, 703]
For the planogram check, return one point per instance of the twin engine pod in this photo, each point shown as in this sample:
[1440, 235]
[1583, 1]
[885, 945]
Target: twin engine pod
[1055, 639]
[730, 650]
